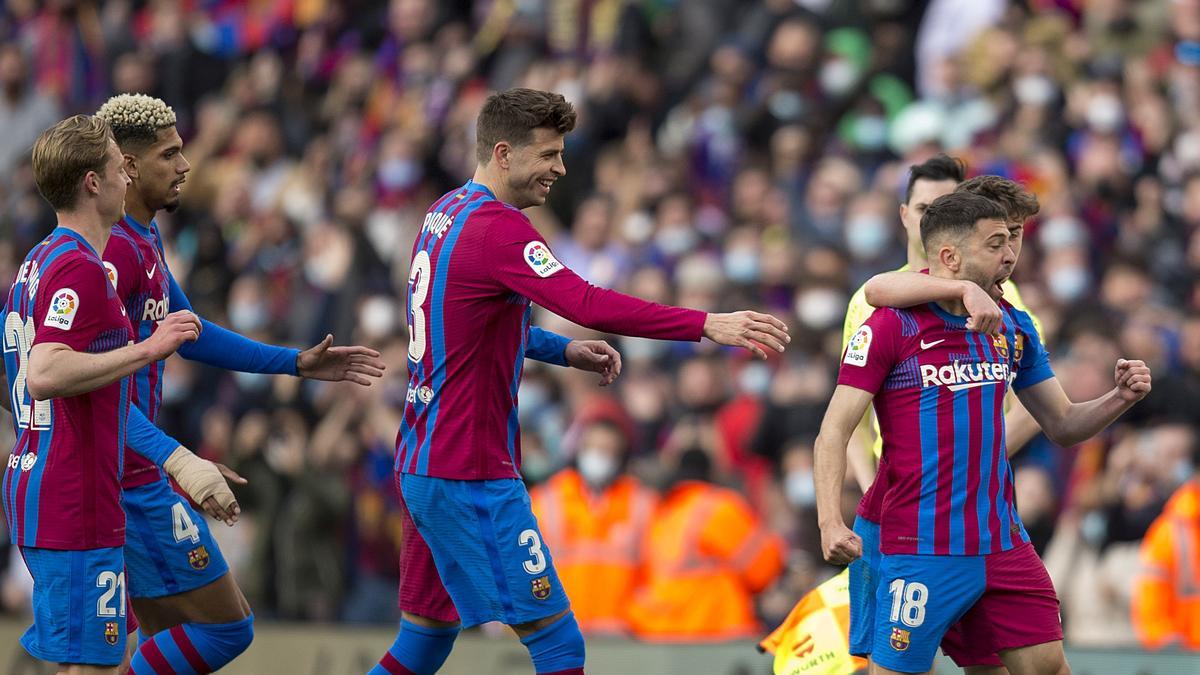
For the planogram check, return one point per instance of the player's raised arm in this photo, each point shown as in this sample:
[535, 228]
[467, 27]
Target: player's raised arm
[223, 348]
[522, 262]
[907, 289]
[1068, 423]
[839, 544]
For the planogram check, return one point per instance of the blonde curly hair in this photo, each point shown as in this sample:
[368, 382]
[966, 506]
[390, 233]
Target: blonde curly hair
[135, 119]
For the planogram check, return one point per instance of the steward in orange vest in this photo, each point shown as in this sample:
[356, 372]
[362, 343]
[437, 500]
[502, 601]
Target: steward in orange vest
[1166, 596]
[593, 517]
[707, 555]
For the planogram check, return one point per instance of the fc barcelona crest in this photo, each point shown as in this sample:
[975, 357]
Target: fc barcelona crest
[198, 558]
[111, 633]
[1019, 347]
[540, 587]
[899, 639]
[1000, 342]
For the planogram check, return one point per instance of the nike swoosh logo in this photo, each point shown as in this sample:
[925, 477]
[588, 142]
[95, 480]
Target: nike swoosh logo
[971, 385]
[927, 345]
[150, 274]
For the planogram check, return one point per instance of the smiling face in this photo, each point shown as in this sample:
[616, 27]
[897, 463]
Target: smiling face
[531, 169]
[159, 170]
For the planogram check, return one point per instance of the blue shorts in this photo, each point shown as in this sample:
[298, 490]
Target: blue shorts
[168, 546]
[487, 548]
[1004, 601]
[864, 576]
[78, 606]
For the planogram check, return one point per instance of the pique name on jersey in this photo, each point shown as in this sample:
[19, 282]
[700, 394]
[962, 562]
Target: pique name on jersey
[959, 375]
[437, 223]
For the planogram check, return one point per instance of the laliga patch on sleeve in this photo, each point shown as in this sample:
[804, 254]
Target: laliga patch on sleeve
[540, 260]
[63, 306]
[859, 347]
[112, 273]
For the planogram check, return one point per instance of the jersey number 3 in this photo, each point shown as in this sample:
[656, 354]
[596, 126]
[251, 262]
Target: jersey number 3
[18, 337]
[418, 283]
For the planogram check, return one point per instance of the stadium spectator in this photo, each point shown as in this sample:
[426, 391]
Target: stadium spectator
[596, 514]
[707, 555]
[1166, 603]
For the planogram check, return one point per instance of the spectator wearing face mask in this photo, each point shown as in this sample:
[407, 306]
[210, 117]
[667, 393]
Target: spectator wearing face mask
[593, 515]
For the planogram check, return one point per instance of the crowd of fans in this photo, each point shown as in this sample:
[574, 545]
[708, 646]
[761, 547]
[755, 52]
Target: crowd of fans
[728, 154]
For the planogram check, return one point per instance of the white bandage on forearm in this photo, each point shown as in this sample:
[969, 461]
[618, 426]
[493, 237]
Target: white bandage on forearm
[198, 477]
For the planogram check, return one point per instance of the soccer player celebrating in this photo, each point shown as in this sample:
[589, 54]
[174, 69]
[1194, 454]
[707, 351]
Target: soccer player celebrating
[475, 553]
[952, 543]
[905, 287]
[190, 607]
[68, 355]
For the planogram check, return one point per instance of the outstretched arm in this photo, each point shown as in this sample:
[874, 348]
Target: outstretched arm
[1068, 423]
[228, 350]
[907, 289]
[838, 543]
[520, 261]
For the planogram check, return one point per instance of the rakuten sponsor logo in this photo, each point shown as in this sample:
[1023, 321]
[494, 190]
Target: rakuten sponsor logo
[960, 375]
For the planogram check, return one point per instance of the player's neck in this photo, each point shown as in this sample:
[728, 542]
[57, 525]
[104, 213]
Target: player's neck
[492, 182]
[916, 257]
[89, 226]
[136, 209]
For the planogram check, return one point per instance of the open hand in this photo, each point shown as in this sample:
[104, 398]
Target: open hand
[748, 330]
[335, 364]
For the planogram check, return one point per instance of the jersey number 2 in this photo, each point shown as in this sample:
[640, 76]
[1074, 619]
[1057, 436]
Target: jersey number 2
[18, 337]
[418, 281]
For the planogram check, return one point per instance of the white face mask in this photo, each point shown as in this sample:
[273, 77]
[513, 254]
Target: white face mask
[799, 488]
[597, 467]
[1105, 113]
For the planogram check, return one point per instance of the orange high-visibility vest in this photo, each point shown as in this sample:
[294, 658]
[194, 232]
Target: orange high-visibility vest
[706, 556]
[595, 540]
[1166, 596]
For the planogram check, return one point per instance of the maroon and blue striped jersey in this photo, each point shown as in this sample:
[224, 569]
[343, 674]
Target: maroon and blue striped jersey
[945, 486]
[62, 486]
[477, 264]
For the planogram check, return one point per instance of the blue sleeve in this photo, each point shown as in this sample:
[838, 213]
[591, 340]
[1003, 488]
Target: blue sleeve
[146, 439]
[1033, 361]
[226, 349]
[546, 347]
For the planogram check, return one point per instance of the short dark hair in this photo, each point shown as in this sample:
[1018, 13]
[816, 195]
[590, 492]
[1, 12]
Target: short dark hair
[938, 167]
[1020, 204]
[513, 115]
[956, 214]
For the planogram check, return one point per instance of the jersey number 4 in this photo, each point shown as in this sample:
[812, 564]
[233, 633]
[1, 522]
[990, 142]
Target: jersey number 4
[18, 337]
[418, 283]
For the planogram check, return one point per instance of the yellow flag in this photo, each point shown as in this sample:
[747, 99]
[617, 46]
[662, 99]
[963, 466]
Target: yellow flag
[814, 639]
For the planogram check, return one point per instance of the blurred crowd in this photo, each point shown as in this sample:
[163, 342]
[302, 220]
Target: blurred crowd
[729, 154]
